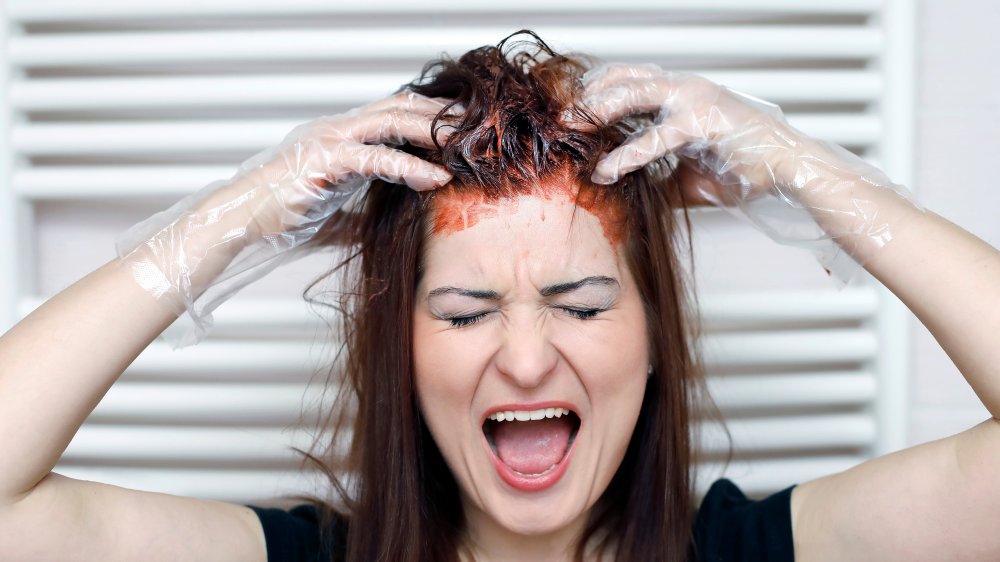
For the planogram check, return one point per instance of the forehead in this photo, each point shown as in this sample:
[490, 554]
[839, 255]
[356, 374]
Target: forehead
[548, 235]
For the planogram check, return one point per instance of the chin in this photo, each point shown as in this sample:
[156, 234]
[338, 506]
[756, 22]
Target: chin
[538, 515]
[544, 512]
[536, 524]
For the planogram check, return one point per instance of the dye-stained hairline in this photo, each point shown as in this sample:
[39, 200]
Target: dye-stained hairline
[455, 208]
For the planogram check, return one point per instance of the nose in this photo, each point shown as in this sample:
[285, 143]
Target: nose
[526, 356]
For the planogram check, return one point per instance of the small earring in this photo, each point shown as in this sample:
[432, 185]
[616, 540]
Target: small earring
[649, 372]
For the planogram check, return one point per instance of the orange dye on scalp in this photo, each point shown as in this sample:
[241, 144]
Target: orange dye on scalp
[456, 208]
[609, 211]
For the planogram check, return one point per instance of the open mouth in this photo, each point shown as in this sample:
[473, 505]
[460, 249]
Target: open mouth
[531, 444]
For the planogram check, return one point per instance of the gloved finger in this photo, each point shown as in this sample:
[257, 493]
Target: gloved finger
[645, 147]
[622, 90]
[396, 126]
[608, 75]
[630, 98]
[407, 100]
[394, 166]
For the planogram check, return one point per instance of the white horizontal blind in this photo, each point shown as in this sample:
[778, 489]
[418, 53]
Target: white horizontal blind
[116, 108]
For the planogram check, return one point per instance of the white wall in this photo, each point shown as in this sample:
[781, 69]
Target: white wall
[958, 136]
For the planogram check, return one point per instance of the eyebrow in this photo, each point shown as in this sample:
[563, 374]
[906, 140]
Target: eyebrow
[476, 294]
[561, 288]
[557, 289]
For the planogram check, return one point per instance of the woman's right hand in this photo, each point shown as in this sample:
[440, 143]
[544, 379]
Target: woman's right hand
[320, 163]
[214, 242]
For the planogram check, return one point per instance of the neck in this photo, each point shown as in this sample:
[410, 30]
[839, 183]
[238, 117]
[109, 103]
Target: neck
[488, 541]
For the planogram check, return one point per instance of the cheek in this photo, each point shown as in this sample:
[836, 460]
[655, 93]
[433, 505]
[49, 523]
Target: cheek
[622, 360]
[445, 376]
[617, 398]
[613, 369]
[613, 358]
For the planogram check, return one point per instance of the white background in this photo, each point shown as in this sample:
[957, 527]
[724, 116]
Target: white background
[957, 144]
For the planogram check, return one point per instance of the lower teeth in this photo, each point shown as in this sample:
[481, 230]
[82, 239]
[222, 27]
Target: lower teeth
[546, 471]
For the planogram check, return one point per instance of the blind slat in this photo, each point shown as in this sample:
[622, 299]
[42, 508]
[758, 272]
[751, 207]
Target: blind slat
[153, 444]
[266, 317]
[329, 89]
[270, 403]
[794, 347]
[110, 10]
[109, 182]
[790, 433]
[650, 43]
[253, 135]
[736, 309]
[227, 360]
[803, 390]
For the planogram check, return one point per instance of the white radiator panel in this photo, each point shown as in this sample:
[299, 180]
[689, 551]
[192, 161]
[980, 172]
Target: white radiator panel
[110, 10]
[185, 137]
[376, 44]
[128, 103]
[291, 90]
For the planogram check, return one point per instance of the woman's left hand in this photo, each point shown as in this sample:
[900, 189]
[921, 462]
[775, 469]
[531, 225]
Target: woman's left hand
[696, 119]
[734, 150]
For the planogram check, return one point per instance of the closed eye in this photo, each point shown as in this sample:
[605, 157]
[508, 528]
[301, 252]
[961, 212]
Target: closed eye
[582, 314]
[461, 321]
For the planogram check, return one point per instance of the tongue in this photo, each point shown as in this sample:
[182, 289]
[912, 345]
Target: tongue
[531, 447]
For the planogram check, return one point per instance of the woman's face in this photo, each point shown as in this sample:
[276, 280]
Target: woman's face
[525, 308]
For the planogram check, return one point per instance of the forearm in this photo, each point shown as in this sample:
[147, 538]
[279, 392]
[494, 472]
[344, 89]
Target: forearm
[949, 278]
[60, 361]
[57, 364]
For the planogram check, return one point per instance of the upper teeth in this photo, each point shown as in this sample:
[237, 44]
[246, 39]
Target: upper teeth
[525, 415]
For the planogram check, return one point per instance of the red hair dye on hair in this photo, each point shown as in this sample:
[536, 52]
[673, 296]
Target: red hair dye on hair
[456, 208]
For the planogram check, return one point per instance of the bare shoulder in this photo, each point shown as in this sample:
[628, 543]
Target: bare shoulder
[935, 501]
[65, 518]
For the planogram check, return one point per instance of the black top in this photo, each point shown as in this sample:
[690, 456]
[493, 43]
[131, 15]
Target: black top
[729, 527]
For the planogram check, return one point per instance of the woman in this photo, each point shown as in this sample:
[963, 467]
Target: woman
[516, 338]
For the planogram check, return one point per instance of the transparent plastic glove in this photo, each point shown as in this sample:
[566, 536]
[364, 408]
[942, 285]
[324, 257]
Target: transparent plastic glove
[738, 152]
[202, 250]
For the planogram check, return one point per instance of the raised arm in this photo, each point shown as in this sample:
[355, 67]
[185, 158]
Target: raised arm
[937, 501]
[57, 364]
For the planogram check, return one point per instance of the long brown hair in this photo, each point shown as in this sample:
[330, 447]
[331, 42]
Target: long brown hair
[394, 489]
